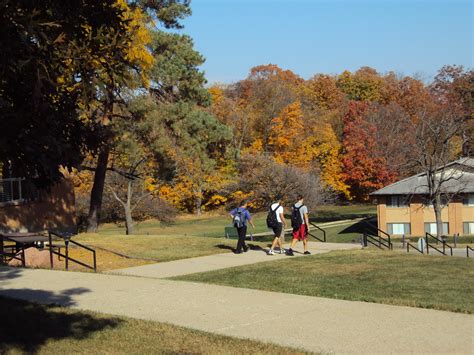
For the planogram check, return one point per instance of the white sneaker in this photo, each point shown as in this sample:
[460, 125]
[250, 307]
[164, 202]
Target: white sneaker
[270, 252]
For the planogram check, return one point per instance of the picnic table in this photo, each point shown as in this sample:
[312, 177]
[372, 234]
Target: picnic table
[21, 242]
[25, 240]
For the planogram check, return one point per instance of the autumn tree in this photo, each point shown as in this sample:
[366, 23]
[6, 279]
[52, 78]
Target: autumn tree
[364, 171]
[198, 142]
[364, 85]
[268, 89]
[455, 86]
[321, 93]
[139, 18]
[263, 179]
[436, 144]
[55, 56]
[233, 111]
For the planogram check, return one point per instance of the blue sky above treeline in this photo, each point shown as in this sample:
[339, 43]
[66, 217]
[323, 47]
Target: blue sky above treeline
[409, 37]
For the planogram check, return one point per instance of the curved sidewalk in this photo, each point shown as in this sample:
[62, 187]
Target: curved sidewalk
[312, 323]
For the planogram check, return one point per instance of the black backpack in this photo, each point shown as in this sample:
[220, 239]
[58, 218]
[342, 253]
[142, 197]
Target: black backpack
[296, 220]
[272, 219]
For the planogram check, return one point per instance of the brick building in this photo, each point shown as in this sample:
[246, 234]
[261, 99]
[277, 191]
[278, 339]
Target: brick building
[402, 207]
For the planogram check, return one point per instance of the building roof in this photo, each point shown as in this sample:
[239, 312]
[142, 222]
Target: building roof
[461, 180]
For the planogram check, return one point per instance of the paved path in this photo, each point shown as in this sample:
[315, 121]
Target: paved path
[221, 261]
[315, 324]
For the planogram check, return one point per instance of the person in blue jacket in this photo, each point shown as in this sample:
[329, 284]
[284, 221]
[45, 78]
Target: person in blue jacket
[240, 218]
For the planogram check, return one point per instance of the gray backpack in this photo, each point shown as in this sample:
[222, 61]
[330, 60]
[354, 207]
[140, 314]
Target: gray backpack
[238, 219]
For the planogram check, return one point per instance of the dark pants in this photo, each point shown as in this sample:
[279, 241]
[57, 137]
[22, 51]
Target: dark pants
[241, 242]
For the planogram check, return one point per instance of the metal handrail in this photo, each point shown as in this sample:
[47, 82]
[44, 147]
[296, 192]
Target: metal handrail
[414, 247]
[467, 250]
[388, 240]
[379, 241]
[319, 228]
[68, 239]
[428, 245]
[378, 230]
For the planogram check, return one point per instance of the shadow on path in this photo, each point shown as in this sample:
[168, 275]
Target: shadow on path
[253, 247]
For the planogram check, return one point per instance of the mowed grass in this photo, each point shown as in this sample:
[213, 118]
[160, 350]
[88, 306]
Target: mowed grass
[32, 328]
[151, 248]
[212, 225]
[443, 283]
[191, 236]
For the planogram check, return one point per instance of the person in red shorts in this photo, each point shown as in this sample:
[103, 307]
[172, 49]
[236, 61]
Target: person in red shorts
[300, 223]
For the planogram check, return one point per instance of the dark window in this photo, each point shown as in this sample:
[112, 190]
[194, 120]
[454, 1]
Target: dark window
[397, 201]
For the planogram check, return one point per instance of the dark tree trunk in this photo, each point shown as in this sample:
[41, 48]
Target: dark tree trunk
[97, 192]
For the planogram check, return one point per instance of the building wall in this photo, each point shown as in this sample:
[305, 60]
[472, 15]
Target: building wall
[52, 210]
[418, 214]
[382, 213]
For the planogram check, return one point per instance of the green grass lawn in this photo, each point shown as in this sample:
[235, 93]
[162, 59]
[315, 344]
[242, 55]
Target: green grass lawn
[160, 248]
[363, 275]
[213, 225]
[38, 329]
[192, 236]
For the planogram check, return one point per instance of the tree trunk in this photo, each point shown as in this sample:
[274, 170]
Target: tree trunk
[128, 221]
[437, 209]
[95, 207]
[199, 201]
[128, 209]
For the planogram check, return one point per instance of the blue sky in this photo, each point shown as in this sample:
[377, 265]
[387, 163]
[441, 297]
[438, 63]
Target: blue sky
[410, 37]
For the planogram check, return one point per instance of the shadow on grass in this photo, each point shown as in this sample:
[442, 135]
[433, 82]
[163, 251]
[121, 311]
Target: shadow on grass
[27, 326]
[362, 226]
[328, 216]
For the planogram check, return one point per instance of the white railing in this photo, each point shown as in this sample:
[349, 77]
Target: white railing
[11, 190]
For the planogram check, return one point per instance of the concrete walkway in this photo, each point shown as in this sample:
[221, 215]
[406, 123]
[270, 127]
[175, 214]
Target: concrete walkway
[222, 261]
[312, 323]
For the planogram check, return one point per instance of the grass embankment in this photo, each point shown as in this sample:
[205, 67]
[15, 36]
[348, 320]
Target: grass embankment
[152, 248]
[213, 225]
[31, 328]
[373, 276]
[184, 238]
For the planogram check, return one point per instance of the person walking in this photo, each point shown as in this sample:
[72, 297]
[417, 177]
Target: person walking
[300, 223]
[276, 221]
[240, 218]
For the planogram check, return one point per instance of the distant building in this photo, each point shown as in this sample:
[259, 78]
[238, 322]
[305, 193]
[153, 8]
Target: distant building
[402, 207]
[25, 209]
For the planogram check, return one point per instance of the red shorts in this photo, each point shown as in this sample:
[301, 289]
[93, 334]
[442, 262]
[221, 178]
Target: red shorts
[301, 233]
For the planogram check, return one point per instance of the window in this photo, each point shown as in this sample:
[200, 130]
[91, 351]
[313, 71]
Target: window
[397, 201]
[11, 190]
[468, 200]
[468, 227]
[398, 228]
[432, 229]
[444, 202]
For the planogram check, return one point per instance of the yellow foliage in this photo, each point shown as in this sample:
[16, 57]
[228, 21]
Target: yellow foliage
[215, 201]
[306, 142]
[255, 147]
